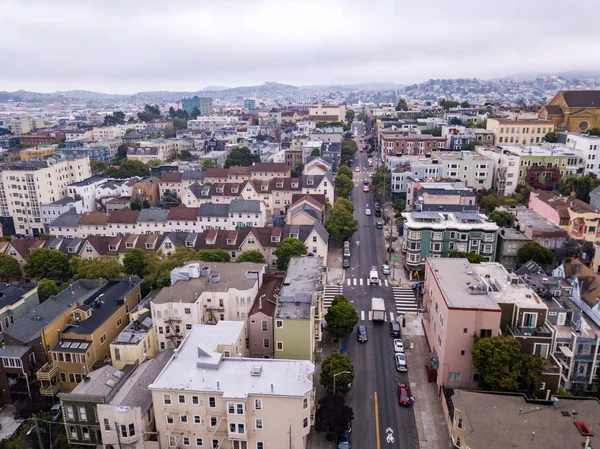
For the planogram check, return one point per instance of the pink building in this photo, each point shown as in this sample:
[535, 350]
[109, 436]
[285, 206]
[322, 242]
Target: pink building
[457, 306]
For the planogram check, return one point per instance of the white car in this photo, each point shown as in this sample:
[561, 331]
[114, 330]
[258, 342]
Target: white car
[367, 211]
[398, 345]
[385, 269]
[357, 169]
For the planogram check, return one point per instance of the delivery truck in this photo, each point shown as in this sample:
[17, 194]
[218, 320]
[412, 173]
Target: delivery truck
[377, 309]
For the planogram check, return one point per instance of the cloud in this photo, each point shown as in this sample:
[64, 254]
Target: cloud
[128, 46]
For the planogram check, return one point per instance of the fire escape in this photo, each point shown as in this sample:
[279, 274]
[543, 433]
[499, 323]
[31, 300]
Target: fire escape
[173, 324]
[214, 305]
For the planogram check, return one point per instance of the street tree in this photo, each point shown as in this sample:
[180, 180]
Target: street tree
[49, 287]
[179, 123]
[47, 263]
[341, 224]
[471, 257]
[135, 262]
[498, 361]
[345, 170]
[344, 203]
[382, 181]
[105, 267]
[315, 152]
[288, 248]
[334, 364]
[207, 163]
[343, 186]
[213, 255]
[341, 319]
[9, 268]
[350, 115]
[252, 255]
[536, 252]
[241, 157]
[349, 149]
[502, 218]
[333, 415]
[581, 185]
[339, 299]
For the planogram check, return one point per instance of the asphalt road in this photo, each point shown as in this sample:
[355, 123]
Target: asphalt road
[373, 395]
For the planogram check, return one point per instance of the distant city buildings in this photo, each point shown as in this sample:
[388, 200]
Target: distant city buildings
[202, 104]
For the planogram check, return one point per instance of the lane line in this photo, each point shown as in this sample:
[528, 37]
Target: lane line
[362, 315]
[354, 281]
[391, 316]
[377, 420]
[360, 281]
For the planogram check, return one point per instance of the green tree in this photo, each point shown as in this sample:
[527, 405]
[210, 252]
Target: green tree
[315, 152]
[150, 113]
[344, 203]
[116, 118]
[105, 267]
[335, 123]
[98, 165]
[531, 371]
[341, 224]
[179, 123]
[286, 249]
[169, 131]
[502, 218]
[471, 257]
[241, 157]
[9, 268]
[135, 262]
[551, 137]
[498, 361]
[345, 170]
[349, 116]
[536, 252]
[122, 151]
[47, 263]
[381, 181]
[333, 415]
[341, 318]
[128, 169]
[136, 203]
[455, 121]
[401, 106]
[465, 104]
[448, 104]
[186, 155]
[343, 186]
[213, 255]
[48, 287]
[338, 299]
[437, 132]
[581, 185]
[349, 149]
[334, 364]
[252, 255]
[206, 164]
[594, 131]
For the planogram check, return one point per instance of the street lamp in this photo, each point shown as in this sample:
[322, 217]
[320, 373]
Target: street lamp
[337, 374]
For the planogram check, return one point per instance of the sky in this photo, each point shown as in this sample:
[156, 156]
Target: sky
[129, 46]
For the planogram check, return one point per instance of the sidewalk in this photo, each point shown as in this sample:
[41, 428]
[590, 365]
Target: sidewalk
[429, 416]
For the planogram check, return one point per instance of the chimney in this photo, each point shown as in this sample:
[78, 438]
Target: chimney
[218, 385]
[260, 303]
[272, 388]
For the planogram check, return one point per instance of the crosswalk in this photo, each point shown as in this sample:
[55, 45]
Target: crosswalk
[404, 298]
[350, 282]
[329, 292]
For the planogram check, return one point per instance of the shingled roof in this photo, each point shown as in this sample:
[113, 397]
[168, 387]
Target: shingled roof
[582, 98]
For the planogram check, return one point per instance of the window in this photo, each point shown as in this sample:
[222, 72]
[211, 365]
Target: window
[265, 325]
[86, 433]
[170, 419]
[186, 441]
[187, 310]
[70, 413]
[485, 333]
[213, 421]
[73, 432]
[258, 404]
[241, 428]
[119, 322]
[542, 349]
[280, 346]
[240, 409]
[529, 319]
[199, 442]
[266, 343]
[196, 400]
[212, 402]
[459, 423]
[181, 398]
[197, 419]
[232, 428]
[106, 425]
[458, 441]
[279, 324]
[167, 399]
[103, 339]
[454, 376]
[305, 423]
[260, 445]
[215, 444]
[172, 440]
[123, 430]
[82, 414]
[183, 419]
[305, 403]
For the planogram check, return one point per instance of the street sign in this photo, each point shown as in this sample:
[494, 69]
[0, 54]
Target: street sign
[393, 258]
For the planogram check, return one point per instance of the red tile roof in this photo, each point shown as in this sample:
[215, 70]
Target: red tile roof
[183, 213]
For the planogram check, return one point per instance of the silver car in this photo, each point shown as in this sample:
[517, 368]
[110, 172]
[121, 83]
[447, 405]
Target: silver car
[400, 362]
[398, 345]
[385, 269]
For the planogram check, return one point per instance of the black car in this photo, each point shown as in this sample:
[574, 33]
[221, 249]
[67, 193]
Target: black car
[362, 333]
[377, 212]
[395, 329]
[377, 204]
[346, 262]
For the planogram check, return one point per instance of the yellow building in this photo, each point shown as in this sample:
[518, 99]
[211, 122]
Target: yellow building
[523, 131]
[39, 151]
[136, 343]
[573, 110]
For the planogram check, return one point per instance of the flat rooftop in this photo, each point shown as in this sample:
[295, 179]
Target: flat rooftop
[461, 286]
[530, 218]
[300, 286]
[554, 149]
[198, 368]
[457, 220]
[496, 421]
[101, 382]
[512, 234]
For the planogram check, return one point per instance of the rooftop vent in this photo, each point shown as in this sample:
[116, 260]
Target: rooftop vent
[256, 370]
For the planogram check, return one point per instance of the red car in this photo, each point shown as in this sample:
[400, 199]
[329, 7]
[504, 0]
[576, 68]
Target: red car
[404, 396]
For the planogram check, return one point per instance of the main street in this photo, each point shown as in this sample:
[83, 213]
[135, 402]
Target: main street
[373, 395]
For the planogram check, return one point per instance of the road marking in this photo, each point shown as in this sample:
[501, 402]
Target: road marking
[377, 420]
[391, 316]
[354, 281]
[361, 281]
[349, 281]
[362, 315]
[385, 282]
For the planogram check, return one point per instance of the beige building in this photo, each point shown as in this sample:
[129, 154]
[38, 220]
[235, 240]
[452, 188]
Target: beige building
[203, 398]
[522, 131]
[159, 149]
[26, 185]
[39, 151]
[201, 293]
[328, 112]
[136, 343]
[25, 125]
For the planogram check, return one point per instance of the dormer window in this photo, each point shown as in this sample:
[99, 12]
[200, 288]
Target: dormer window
[189, 244]
[280, 184]
[210, 241]
[294, 185]
[219, 189]
[309, 182]
[264, 188]
[71, 250]
[294, 236]
[275, 238]
[230, 242]
[112, 248]
[149, 245]
[128, 245]
[235, 190]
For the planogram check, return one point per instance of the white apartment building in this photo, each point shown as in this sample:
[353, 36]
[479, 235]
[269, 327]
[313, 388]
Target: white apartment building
[204, 293]
[25, 125]
[506, 169]
[26, 185]
[79, 135]
[159, 149]
[210, 123]
[206, 397]
[519, 131]
[474, 169]
[86, 192]
[108, 132]
[588, 148]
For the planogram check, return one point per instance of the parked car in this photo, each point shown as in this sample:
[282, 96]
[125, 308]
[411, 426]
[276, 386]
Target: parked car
[379, 225]
[346, 262]
[404, 396]
[344, 439]
[400, 362]
[398, 345]
[357, 169]
[365, 189]
[377, 204]
[366, 182]
[395, 329]
[367, 211]
[362, 333]
[385, 269]
[377, 211]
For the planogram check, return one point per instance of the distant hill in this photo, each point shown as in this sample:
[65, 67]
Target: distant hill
[89, 95]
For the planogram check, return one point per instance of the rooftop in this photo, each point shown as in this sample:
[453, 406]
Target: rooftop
[198, 367]
[458, 220]
[135, 331]
[512, 234]
[300, 287]
[528, 218]
[549, 149]
[100, 384]
[500, 421]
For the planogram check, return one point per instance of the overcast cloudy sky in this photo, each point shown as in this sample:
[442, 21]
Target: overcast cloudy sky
[129, 46]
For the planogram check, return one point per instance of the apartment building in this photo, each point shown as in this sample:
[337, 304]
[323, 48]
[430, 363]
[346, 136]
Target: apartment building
[510, 241]
[475, 170]
[159, 149]
[16, 301]
[203, 104]
[136, 342]
[329, 113]
[37, 152]
[109, 132]
[507, 169]
[210, 123]
[423, 196]
[260, 317]
[26, 185]
[299, 310]
[230, 401]
[397, 143]
[203, 292]
[436, 234]
[521, 131]
[587, 148]
[25, 125]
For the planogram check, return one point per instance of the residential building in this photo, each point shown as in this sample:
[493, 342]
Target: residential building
[481, 420]
[586, 147]
[521, 131]
[26, 185]
[595, 198]
[25, 125]
[147, 190]
[96, 153]
[317, 166]
[202, 293]
[159, 149]
[328, 135]
[396, 143]
[573, 110]
[210, 123]
[332, 153]
[306, 209]
[37, 152]
[250, 104]
[86, 192]
[327, 113]
[474, 169]
[231, 401]
[319, 185]
[260, 318]
[203, 104]
[537, 227]
[52, 211]
[507, 169]
[16, 301]
[293, 158]
[510, 241]
[299, 310]
[437, 234]
[136, 342]
[439, 196]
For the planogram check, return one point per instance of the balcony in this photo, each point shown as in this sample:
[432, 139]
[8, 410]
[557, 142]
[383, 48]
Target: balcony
[50, 390]
[47, 372]
[523, 332]
[580, 357]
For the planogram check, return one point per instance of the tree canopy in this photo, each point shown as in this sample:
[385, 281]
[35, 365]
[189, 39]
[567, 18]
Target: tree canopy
[345, 170]
[213, 255]
[341, 224]
[252, 255]
[48, 287]
[498, 361]
[105, 267]
[345, 204]
[135, 262]
[536, 252]
[448, 104]
[241, 157]
[437, 132]
[179, 123]
[401, 106]
[465, 104]
[343, 186]
[117, 118]
[315, 152]
[381, 181]
[341, 318]
[581, 185]
[337, 363]
[122, 151]
[349, 148]
[502, 218]
[333, 415]
[149, 113]
[207, 163]
[47, 263]
[349, 115]
[551, 137]
[286, 249]
[471, 257]
[9, 268]
[127, 169]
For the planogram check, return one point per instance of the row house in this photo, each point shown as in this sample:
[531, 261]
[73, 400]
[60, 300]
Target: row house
[219, 193]
[306, 209]
[412, 144]
[520, 131]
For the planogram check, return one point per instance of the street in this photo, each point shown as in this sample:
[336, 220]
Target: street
[379, 421]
